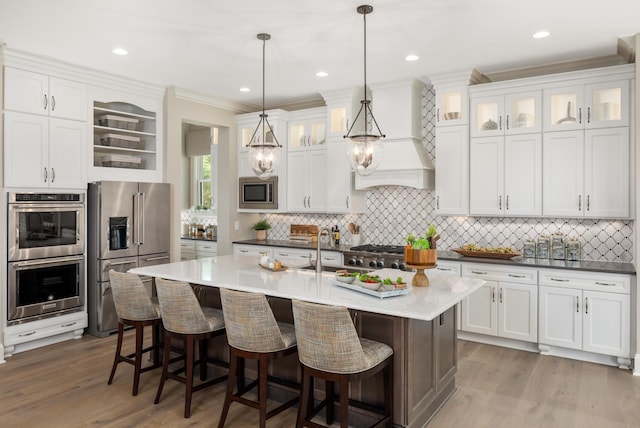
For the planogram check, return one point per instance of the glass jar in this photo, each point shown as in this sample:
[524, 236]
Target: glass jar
[558, 250]
[574, 249]
[529, 249]
[542, 248]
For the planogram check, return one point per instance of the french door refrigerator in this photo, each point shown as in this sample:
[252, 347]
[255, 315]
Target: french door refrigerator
[127, 227]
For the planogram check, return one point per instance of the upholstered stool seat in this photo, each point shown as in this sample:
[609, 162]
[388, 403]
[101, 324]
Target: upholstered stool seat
[253, 333]
[135, 308]
[329, 348]
[184, 319]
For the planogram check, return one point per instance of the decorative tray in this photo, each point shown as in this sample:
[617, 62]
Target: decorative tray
[380, 294]
[485, 254]
[274, 269]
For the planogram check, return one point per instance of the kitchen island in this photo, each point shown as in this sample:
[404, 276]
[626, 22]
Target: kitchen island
[419, 326]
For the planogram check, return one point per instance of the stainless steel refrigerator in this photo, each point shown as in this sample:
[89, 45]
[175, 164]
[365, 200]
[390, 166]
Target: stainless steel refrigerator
[127, 227]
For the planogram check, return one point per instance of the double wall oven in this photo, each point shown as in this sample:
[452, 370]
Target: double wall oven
[45, 252]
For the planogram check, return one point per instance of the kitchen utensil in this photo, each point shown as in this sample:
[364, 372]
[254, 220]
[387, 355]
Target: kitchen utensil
[355, 239]
[352, 228]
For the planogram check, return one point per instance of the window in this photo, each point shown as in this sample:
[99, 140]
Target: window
[203, 181]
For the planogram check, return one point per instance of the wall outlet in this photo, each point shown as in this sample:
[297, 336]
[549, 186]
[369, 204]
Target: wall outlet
[236, 225]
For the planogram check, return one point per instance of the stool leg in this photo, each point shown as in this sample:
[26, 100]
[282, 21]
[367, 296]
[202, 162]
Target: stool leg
[344, 404]
[303, 407]
[189, 351]
[231, 381]
[165, 366]
[329, 399]
[116, 359]
[155, 339]
[138, 358]
[263, 368]
[388, 395]
[203, 359]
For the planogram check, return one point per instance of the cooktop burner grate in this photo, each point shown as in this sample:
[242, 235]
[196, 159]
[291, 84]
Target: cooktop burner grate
[390, 249]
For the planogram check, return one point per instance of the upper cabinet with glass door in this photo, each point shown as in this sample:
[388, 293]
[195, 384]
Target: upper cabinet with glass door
[248, 122]
[509, 114]
[451, 106]
[594, 105]
[307, 128]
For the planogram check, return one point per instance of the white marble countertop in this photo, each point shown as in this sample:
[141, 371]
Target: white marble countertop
[244, 273]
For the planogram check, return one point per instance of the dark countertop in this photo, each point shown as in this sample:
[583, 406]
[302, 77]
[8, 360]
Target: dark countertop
[582, 265]
[200, 238]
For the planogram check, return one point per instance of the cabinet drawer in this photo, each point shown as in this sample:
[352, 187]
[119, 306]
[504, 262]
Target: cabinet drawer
[331, 258]
[187, 245]
[610, 283]
[206, 247]
[448, 268]
[292, 253]
[497, 273]
[252, 250]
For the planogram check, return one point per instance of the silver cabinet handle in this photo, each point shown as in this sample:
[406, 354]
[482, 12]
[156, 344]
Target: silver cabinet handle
[347, 202]
[586, 305]
[588, 202]
[501, 295]
[577, 304]
[559, 280]
[579, 202]
[53, 103]
[500, 202]
[588, 114]
[606, 284]
[244, 251]
[438, 115]
[516, 276]
[69, 324]
[493, 294]
[507, 123]
[580, 115]
[500, 121]
[46, 102]
[309, 202]
[53, 174]
[26, 334]
[507, 204]
[45, 174]
[478, 272]
[444, 269]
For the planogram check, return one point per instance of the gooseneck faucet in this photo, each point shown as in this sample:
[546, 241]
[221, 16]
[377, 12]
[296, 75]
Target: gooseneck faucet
[318, 251]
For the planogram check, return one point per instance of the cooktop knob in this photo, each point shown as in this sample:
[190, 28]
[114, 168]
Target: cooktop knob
[395, 265]
[359, 262]
[352, 262]
[380, 264]
[372, 263]
[401, 266]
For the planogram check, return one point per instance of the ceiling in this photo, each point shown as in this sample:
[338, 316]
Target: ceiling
[210, 47]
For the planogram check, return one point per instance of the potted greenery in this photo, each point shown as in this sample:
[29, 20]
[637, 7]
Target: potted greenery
[261, 228]
[422, 251]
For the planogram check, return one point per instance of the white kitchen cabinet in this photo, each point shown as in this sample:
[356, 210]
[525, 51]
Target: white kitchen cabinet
[506, 306]
[307, 190]
[44, 152]
[206, 249]
[508, 114]
[35, 334]
[587, 173]
[252, 250]
[342, 197]
[505, 175]
[452, 106]
[187, 249]
[36, 93]
[307, 128]
[586, 311]
[295, 255]
[452, 170]
[248, 122]
[342, 108]
[587, 106]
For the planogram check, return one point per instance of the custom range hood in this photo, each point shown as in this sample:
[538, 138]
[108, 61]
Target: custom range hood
[405, 161]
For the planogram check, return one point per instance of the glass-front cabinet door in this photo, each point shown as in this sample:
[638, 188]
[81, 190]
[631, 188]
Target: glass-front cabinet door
[486, 116]
[523, 112]
[600, 105]
[306, 134]
[451, 107]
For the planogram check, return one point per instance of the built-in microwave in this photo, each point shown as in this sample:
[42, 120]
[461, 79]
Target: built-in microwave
[258, 194]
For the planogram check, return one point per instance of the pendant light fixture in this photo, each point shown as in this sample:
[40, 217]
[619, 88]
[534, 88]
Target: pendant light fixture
[264, 149]
[365, 150]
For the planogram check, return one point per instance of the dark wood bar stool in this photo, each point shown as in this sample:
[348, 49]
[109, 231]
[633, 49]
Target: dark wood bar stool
[184, 319]
[253, 333]
[329, 348]
[135, 308]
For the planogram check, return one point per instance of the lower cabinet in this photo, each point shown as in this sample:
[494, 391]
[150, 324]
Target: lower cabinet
[506, 306]
[586, 312]
[187, 249]
[252, 250]
[191, 249]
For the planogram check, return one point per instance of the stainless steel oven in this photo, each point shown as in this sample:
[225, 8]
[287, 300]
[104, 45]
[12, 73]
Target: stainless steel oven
[44, 287]
[255, 193]
[43, 225]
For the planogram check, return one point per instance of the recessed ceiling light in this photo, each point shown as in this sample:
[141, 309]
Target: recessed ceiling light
[411, 58]
[120, 51]
[322, 74]
[541, 34]
[245, 90]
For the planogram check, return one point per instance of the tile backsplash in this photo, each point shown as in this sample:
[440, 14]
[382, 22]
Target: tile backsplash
[392, 212]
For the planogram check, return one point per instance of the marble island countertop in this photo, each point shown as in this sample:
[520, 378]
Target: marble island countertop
[244, 273]
[585, 265]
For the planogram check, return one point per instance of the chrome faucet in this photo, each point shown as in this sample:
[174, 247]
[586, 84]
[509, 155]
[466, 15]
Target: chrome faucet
[318, 251]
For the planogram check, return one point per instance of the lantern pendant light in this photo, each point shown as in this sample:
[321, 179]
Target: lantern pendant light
[365, 150]
[264, 149]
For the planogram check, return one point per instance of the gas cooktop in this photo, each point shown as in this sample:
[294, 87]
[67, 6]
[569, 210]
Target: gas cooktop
[391, 249]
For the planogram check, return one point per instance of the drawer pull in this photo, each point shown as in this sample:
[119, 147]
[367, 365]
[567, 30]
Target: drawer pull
[559, 280]
[516, 276]
[577, 304]
[477, 272]
[445, 269]
[606, 284]
[27, 334]
[68, 324]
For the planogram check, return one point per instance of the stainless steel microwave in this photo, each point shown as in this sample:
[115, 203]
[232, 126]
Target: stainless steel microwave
[258, 194]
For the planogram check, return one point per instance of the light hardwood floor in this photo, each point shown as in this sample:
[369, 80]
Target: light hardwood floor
[65, 385]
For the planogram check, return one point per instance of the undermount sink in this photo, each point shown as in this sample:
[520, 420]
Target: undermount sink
[335, 268]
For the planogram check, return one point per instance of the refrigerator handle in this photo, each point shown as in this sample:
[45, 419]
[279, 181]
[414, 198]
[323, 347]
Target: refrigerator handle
[136, 221]
[141, 217]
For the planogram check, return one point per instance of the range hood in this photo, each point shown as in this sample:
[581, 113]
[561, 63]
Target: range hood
[397, 108]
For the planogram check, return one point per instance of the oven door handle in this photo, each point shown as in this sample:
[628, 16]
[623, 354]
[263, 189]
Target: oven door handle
[57, 260]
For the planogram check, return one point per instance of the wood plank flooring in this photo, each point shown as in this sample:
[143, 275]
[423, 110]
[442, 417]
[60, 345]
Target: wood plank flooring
[65, 385]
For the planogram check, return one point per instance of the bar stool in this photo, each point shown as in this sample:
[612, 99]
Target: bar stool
[329, 348]
[135, 308]
[184, 319]
[253, 333]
